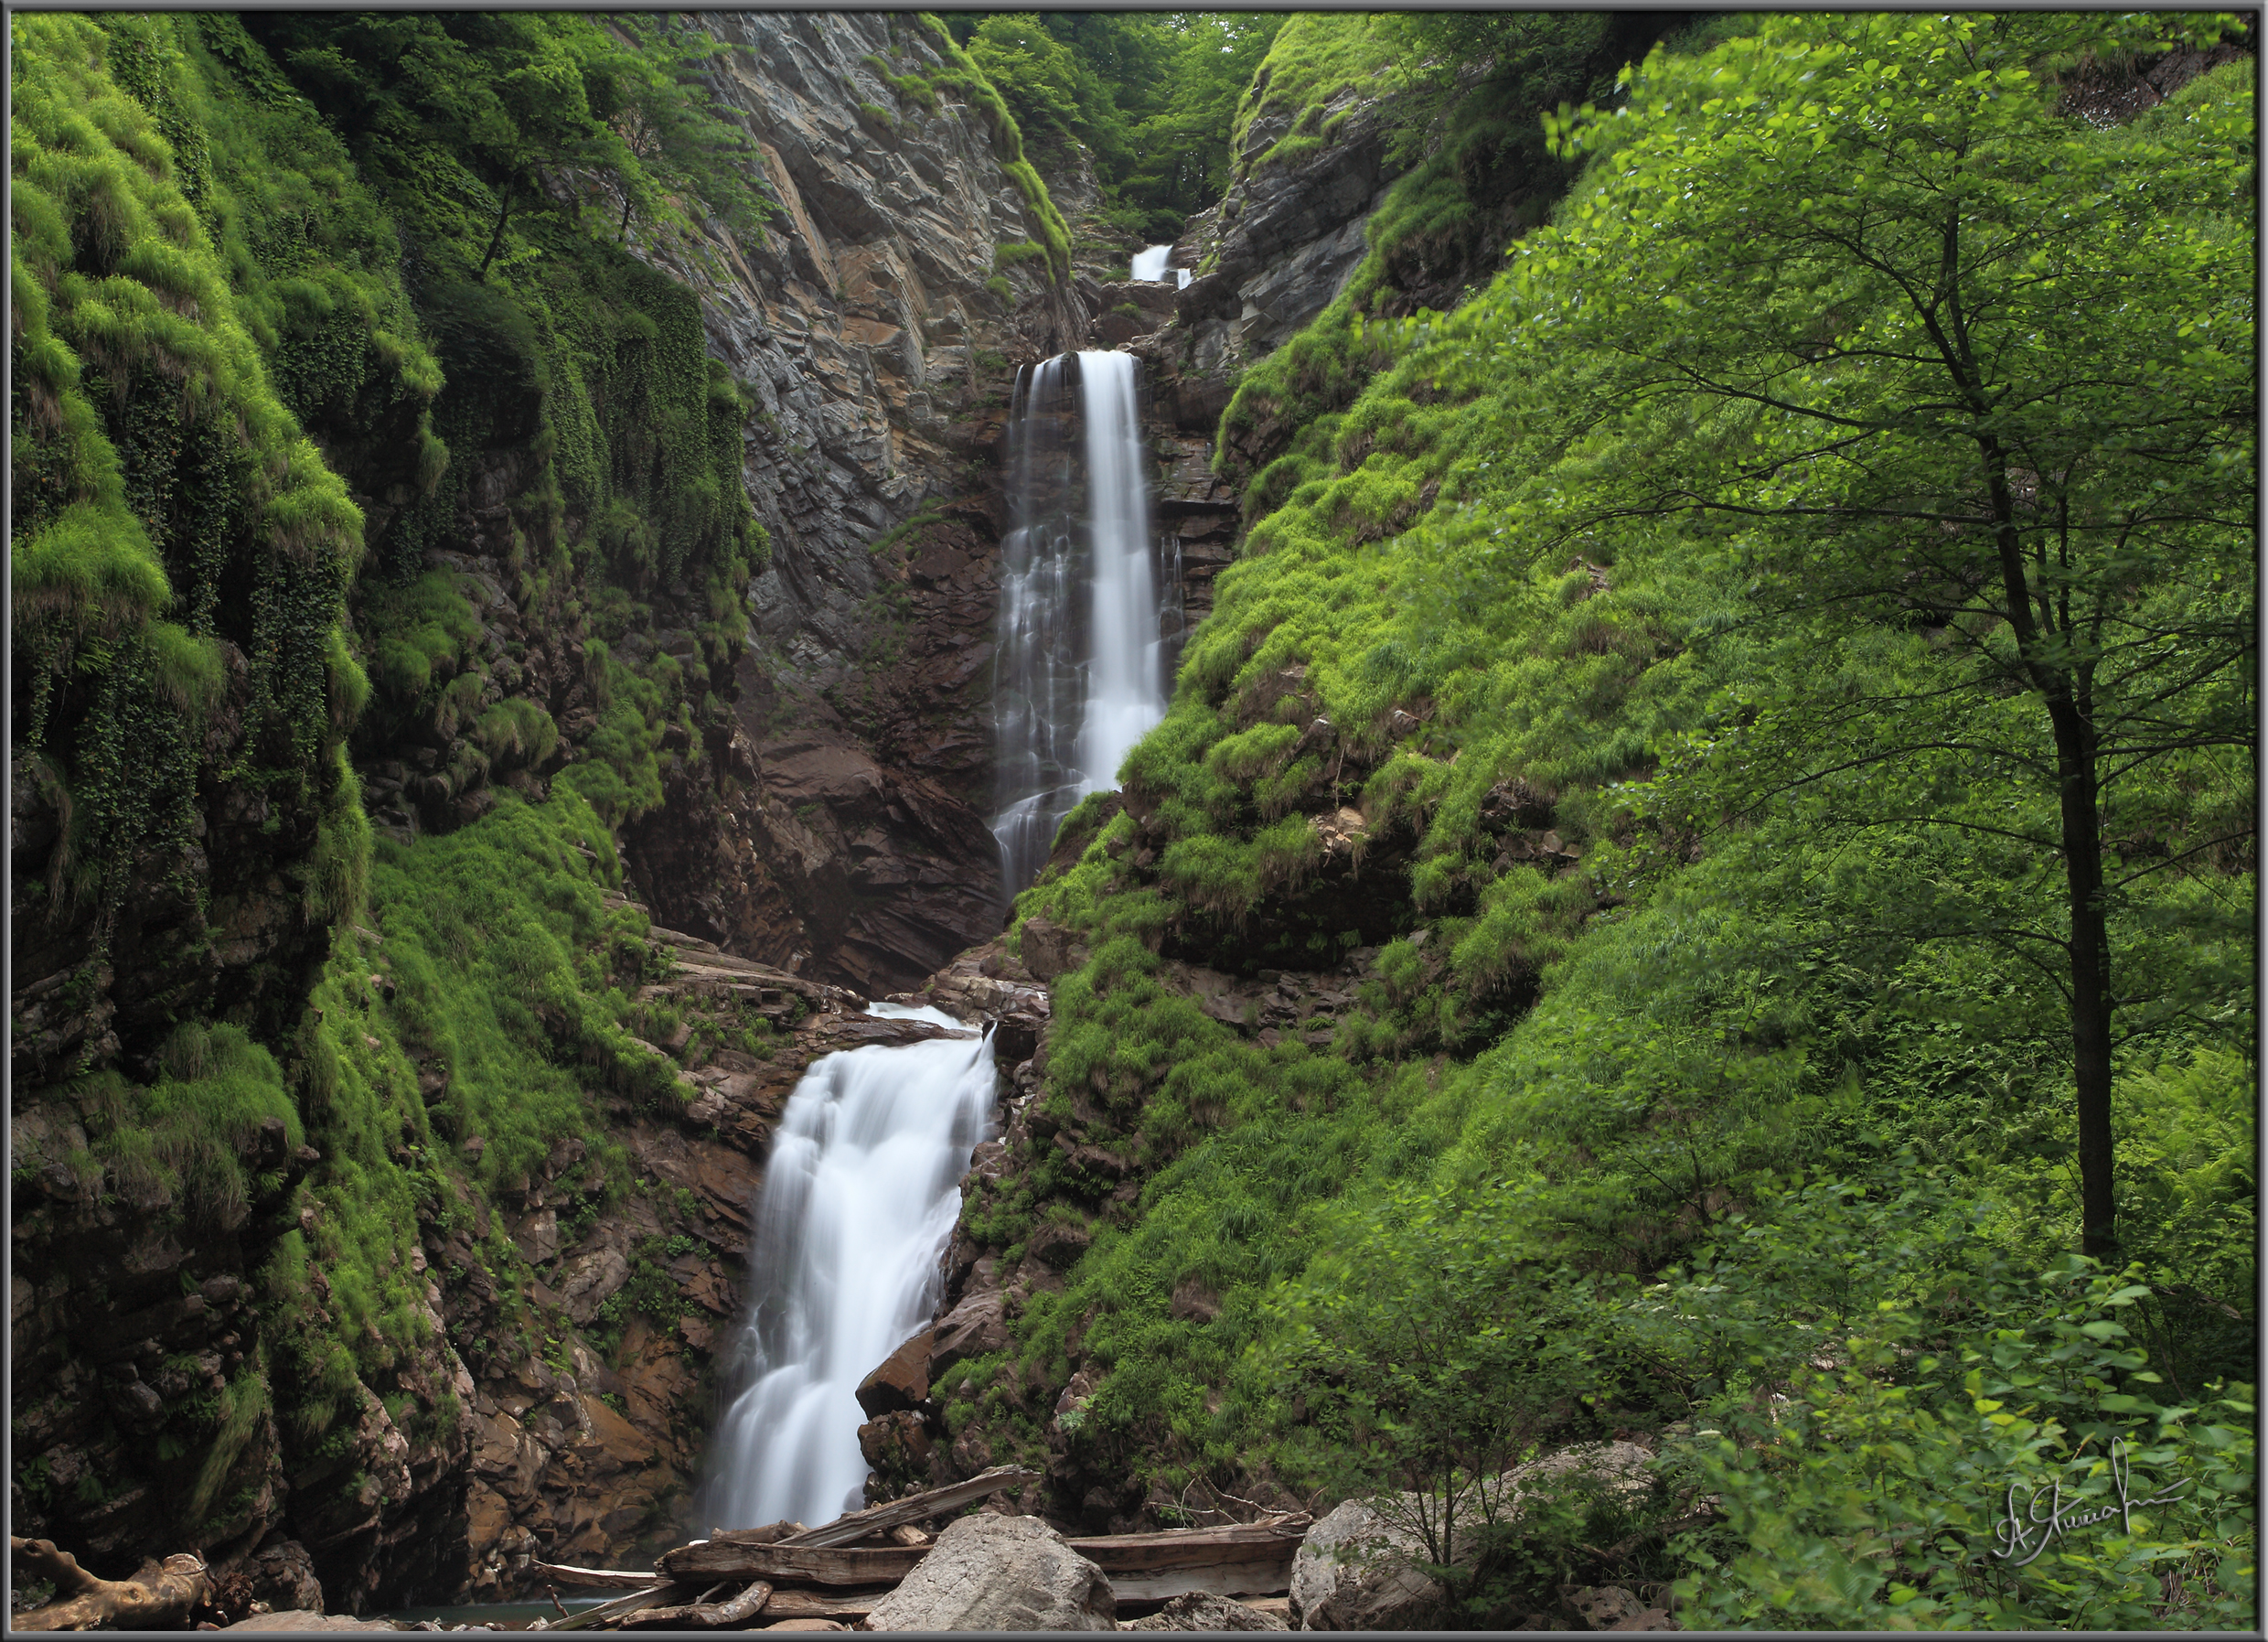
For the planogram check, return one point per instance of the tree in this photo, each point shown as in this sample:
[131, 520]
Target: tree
[1432, 1348]
[1184, 160]
[1921, 355]
[649, 93]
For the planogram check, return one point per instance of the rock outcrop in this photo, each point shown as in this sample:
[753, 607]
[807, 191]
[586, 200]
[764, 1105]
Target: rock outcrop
[869, 324]
[999, 1573]
[1286, 238]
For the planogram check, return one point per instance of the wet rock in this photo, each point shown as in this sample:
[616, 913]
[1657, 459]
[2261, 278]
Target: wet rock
[895, 1445]
[999, 1573]
[902, 1379]
[283, 1576]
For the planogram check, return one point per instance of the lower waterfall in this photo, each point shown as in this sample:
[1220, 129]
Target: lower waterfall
[1079, 672]
[860, 1195]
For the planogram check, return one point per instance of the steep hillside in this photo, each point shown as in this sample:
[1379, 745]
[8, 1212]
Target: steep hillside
[1552, 974]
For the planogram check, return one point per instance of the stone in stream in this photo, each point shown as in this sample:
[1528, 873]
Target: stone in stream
[999, 1573]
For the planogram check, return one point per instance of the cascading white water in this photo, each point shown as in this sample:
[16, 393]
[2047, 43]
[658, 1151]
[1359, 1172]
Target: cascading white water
[1156, 263]
[859, 1194]
[1080, 642]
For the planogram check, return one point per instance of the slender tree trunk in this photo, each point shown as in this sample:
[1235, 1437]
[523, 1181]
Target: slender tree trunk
[496, 240]
[2091, 977]
[2082, 873]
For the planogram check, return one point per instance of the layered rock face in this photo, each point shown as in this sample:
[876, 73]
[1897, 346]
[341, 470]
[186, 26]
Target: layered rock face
[856, 846]
[1286, 237]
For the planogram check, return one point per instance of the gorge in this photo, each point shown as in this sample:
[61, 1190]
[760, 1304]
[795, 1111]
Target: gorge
[758, 759]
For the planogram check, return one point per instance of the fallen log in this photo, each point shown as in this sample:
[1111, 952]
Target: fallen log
[158, 1597]
[1272, 1578]
[822, 1605]
[704, 1615]
[1215, 1549]
[802, 1564]
[913, 1507]
[1194, 1547]
[747, 1606]
[602, 1579]
[607, 1613]
[649, 1618]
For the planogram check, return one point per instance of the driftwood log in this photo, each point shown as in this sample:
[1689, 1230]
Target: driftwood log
[591, 1578]
[621, 1607]
[158, 1597]
[1186, 1560]
[822, 1605]
[913, 1507]
[819, 1574]
[710, 1615]
[802, 1564]
[1247, 1560]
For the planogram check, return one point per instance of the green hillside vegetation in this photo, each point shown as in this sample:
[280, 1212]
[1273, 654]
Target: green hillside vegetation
[1152, 97]
[1462, 92]
[221, 308]
[1750, 1107]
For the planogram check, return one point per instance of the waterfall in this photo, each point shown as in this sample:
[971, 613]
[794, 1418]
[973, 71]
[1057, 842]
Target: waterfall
[859, 1194]
[1155, 264]
[1079, 672]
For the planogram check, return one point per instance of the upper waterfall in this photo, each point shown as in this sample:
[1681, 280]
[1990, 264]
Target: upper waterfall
[1080, 668]
[1156, 263]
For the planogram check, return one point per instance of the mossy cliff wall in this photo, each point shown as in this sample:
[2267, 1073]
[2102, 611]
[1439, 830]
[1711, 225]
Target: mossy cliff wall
[381, 1177]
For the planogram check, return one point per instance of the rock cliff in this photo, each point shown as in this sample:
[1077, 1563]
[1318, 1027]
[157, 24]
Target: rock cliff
[882, 345]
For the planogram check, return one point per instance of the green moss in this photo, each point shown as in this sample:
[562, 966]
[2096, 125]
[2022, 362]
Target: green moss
[960, 74]
[1317, 56]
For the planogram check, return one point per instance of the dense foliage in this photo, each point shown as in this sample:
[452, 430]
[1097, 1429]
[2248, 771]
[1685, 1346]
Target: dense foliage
[1151, 95]
[1665, 611]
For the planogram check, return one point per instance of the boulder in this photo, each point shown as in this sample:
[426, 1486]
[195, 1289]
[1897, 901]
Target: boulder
[974, 1328]
[1353, 1572]
[283, 1576]
[1050, 950]
[1203, 1611]
[895, 1443]
[989, 1572]
[1058, 1243]
[901, 1381]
